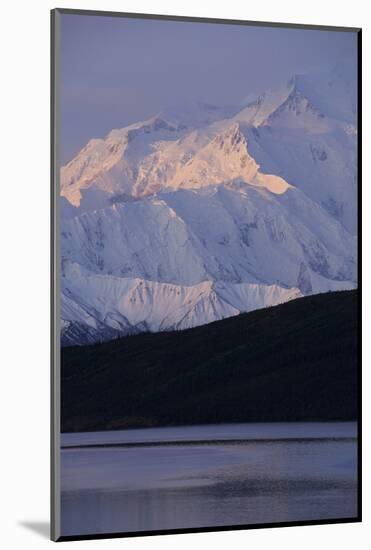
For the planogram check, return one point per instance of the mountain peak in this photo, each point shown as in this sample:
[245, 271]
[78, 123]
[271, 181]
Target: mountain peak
[259, 108]
[152, 124]
[231, 138]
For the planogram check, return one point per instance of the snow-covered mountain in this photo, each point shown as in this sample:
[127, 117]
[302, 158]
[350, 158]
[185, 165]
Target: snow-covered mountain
[181, 220]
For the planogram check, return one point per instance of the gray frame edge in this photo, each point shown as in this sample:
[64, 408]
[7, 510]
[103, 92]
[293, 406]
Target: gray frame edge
[195, 19]
[55, 527]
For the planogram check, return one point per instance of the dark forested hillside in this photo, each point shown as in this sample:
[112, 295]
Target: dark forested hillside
[292, 362]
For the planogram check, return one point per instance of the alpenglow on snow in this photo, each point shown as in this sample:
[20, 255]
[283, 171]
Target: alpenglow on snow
[197, 215]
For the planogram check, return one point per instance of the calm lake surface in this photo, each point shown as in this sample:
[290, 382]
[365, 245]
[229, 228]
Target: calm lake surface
[207, 476]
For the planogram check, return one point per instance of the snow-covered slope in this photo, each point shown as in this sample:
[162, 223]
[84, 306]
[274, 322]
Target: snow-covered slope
[110, 166]
[173, 210]
[236, 233]
[283, 133]
[102, 307]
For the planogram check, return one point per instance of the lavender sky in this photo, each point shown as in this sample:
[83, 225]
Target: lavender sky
[115, 71]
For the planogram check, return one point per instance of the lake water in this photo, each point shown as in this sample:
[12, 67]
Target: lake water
[207, 476]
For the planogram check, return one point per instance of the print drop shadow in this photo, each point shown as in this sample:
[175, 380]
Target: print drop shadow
[41, 528]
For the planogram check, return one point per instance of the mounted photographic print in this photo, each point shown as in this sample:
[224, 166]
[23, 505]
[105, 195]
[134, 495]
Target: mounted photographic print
[205, 278]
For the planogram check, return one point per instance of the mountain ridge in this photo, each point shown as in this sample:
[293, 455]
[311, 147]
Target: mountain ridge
[117, 307]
